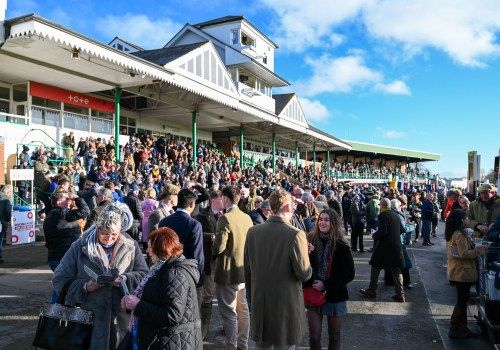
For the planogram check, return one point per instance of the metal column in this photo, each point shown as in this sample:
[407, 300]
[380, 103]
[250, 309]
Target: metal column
[118, 94]
[274, 152]
[328, 173]
[194, 137]
[296, 154]
[241, 147]
[314, 158]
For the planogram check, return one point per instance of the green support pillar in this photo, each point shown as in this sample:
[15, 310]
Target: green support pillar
[296, 154]
[274, 152]
[329, 164]
[194, 137]
[241, 147]
[118, 94]
[314, 158]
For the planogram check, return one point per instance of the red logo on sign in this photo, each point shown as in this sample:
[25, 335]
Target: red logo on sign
[30, 215]
[15, 239]
[32, 233]
[70, 97]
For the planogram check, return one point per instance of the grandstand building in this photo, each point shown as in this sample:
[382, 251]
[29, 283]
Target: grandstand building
[211, 83]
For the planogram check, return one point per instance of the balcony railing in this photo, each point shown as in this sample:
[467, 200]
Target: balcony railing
[13, 118]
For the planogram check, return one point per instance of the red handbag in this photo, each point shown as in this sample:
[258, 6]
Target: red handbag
[314, 298]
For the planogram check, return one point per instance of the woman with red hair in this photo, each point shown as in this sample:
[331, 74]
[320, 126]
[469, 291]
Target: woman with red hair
[164, 307]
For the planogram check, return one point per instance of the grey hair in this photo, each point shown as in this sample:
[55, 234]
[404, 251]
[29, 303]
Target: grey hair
[385, 202]
[115, 217]
[105, 192]
[396, 204]
[321, 198]
[307, 197]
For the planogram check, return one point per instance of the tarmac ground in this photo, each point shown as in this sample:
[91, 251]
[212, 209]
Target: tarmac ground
[420, 323]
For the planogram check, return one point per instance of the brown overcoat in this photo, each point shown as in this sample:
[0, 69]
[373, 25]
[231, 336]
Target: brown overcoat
[462, 262]
[229, 246]
[276, 264]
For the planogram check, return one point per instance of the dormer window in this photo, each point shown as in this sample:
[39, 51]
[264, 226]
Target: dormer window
[247, 40]
[234, 36]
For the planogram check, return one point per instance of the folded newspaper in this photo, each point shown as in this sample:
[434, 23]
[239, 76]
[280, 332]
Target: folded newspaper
[101, 279]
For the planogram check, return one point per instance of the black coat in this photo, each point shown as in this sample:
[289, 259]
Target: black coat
[169, 308]
[134, 204]
[335, 205]
[257, 216]
[208, 223]
[61, 228]
[341, 273]
[388, 252]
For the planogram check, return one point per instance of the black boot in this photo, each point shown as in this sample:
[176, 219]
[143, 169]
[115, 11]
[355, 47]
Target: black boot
[456, 328]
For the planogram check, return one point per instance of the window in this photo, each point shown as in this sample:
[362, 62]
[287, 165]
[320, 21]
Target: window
[264, 59]
[20, 92]
[247, 40]
[119, 47]
[76, 110]
[42, 102]
[4, 93]
[4, 106]
[234, 36]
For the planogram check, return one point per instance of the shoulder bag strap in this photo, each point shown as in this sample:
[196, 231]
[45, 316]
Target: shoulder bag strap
[62, 296]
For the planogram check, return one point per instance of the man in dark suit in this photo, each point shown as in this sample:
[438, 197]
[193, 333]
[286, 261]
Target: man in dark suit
[188, 229]
[387, 252]
[208, 219]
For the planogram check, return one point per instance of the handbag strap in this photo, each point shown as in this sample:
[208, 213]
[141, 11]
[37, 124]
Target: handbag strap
[62, 296]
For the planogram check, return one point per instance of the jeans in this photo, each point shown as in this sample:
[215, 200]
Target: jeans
[53, 265]
[463, 293]
[426, 230]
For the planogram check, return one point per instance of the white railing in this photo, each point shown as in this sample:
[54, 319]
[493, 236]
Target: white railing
[76, 121]
[13, 118]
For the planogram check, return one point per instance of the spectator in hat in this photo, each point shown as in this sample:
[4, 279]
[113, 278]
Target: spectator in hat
[24, 156]
[478, 210]
[333, 202]
[167, 201]
[103, 198]
[262, 211]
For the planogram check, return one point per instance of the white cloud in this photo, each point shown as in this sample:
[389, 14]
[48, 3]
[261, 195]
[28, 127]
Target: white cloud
[314, 110]
[397, 87]
[344, 74]
[463, 29]
[393, 134]
[304, 24]
[139, 29]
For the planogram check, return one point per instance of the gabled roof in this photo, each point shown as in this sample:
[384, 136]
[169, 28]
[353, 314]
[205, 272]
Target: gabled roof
[138, 48]
[319, 131]
[220, 20]
[281, 101]
[229, 19]
[167, 54]
[395, 152]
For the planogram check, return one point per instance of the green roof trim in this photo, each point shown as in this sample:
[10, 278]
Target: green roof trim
[392, 151]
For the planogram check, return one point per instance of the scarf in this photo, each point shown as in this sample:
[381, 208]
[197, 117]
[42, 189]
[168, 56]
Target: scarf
[323, 256]
[138, 291]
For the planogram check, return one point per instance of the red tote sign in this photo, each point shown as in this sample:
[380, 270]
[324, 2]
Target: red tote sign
[70, 97]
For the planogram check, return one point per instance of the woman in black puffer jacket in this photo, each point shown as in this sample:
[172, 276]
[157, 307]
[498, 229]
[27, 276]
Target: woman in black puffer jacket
[165, 305]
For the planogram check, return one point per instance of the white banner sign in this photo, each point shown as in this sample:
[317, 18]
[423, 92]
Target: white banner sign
[22, 174]
[23, 227]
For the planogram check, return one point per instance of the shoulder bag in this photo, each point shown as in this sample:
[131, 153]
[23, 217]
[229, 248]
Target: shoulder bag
[62, 327]
[313, 297]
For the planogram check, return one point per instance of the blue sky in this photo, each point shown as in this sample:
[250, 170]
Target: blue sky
[412, 74]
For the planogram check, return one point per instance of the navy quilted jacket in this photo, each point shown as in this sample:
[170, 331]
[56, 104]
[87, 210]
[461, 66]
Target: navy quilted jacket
[168, 311]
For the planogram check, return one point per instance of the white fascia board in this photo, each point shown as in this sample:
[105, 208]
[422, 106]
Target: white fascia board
[89, 47]
[328, 139]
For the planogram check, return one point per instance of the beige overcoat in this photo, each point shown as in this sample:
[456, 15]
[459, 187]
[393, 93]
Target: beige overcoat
[462, 258]
[276, 264]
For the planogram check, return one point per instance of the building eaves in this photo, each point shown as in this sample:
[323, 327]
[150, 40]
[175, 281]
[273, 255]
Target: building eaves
[164, 55]
[138, 48]
[319, 131]
[392, 151]
[229, 19]
[281, 101]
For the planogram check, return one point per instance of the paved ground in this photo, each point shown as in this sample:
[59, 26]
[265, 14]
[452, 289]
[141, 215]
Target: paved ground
[421, 323]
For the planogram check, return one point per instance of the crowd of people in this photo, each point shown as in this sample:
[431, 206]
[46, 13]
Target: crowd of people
[215, 231]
